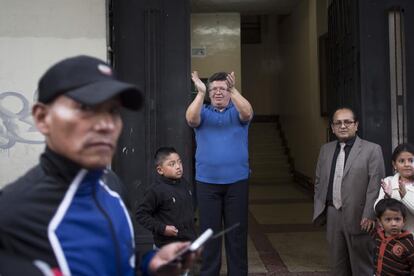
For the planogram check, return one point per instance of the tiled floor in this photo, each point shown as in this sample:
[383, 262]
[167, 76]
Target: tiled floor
[282, 234]
[282, 240]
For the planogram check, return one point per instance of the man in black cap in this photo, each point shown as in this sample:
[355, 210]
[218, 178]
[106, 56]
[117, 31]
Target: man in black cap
[60, 216]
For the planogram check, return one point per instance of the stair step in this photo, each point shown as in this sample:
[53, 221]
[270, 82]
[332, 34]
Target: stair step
[262, 155]
[277, 177]
[268, 161]
[273, 161]
[272, 173]
[270, 170]
[271, 182]
[268, 149]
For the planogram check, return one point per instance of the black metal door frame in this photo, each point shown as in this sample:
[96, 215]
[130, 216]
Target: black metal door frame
[360, 66]
[150, 46]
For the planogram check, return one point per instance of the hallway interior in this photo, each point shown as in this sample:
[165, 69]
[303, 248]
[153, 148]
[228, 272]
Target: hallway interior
[282, 239]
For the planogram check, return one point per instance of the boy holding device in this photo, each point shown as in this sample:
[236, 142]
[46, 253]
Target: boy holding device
[167, 208]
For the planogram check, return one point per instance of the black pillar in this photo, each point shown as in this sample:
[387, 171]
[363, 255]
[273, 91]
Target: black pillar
[150, 43]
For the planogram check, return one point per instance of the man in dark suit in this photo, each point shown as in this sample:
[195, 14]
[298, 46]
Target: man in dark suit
[347, 182]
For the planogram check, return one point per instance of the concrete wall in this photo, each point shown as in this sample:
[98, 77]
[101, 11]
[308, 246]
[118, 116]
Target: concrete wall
[261, 68]
[34, 35]
[219, 35]
[299, 85]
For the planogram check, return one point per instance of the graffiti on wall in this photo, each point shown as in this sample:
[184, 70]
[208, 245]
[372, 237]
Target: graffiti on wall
[16, 126]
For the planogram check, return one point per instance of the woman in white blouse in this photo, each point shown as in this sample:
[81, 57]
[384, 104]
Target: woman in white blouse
[401, 185]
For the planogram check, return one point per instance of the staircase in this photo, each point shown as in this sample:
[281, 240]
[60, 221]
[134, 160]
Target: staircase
[268, 161]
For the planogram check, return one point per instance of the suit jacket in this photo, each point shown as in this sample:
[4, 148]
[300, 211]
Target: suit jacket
[361, 182]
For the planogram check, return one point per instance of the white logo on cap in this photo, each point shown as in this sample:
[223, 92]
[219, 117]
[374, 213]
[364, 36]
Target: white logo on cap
[104, 69]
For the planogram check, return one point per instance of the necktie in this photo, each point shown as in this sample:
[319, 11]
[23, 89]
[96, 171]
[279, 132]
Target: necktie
[337, 181]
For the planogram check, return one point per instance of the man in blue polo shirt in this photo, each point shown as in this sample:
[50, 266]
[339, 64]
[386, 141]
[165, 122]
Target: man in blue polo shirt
[222, 168]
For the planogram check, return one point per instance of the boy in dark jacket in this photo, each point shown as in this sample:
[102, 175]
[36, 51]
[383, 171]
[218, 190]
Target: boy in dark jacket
[394, 254]
[167, 209]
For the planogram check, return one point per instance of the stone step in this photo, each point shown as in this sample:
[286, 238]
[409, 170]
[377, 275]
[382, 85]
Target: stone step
[264, 177]
[268, 161]
[269, 150]
[280, 163]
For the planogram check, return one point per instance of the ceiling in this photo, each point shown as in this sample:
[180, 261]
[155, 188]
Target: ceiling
[244, 6]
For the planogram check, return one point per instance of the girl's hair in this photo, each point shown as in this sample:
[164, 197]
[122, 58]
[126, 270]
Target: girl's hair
[406, 147]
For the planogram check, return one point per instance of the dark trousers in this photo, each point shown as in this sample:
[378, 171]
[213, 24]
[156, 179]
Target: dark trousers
[350, 254]
[224, 205]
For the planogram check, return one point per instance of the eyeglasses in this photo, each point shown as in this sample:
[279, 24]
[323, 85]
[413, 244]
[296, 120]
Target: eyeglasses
[216, 89]
[346, 123]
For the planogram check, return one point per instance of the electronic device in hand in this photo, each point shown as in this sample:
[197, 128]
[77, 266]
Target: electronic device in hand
[193, 247]
[200, 241]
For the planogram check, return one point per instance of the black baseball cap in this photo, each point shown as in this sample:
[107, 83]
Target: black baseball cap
[87, 80]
